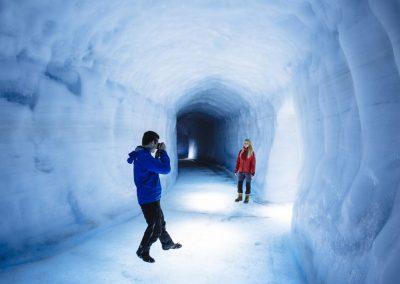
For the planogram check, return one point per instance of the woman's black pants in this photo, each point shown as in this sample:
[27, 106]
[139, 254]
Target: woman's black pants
[155, 226]
[241, 178]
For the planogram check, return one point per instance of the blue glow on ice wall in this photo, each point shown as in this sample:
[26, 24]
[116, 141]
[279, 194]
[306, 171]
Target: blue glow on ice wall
[81, 80]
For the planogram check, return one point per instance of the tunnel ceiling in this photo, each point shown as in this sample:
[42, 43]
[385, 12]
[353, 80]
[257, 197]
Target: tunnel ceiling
[198, 116]
[163, 50]
[213, 99]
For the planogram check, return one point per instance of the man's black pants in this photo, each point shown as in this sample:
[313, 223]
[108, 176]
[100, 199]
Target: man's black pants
[155, 226]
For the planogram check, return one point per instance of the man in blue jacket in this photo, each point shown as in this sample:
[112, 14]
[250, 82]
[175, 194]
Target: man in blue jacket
[145, 170]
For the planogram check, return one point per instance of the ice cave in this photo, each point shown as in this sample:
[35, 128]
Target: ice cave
[314, 84]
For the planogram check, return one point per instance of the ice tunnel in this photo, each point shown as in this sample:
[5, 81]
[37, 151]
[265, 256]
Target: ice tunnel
[314, 84]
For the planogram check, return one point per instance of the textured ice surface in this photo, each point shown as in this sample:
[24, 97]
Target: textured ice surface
[222, 241]
[80, 81]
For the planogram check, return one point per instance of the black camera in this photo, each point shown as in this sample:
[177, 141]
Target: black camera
[158, 153]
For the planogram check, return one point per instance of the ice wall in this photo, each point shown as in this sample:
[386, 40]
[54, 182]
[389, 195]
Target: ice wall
[63, 160]
[285, 157]
[66, 128]
[81, 80]
[346, 215]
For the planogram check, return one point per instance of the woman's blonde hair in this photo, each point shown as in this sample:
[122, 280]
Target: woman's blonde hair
[250, 149]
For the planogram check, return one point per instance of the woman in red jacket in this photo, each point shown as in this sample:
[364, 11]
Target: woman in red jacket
[245, 169]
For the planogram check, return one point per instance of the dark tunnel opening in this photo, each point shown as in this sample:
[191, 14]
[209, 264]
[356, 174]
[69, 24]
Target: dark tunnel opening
[211, 123]
[196, 136]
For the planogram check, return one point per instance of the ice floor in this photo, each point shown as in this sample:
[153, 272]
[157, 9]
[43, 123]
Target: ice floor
[223, 242]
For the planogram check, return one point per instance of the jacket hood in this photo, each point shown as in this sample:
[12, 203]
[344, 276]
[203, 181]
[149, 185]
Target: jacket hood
[134, 154]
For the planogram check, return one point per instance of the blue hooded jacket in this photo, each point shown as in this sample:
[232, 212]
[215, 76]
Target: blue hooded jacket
[145, 171]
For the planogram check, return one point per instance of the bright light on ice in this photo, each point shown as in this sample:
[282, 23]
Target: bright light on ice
[221, 202]
[285, 158]
[207, 201]
[192, 150]
[280, 212]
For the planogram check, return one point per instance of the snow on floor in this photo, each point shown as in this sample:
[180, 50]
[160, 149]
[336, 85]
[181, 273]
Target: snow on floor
[223, 242]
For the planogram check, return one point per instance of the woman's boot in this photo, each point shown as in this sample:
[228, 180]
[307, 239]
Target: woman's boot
[240, 191]
[239, 198]
[248, 188]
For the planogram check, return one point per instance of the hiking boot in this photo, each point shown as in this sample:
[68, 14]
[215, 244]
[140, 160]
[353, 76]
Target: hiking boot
[246, 199]
[144, 255]
[239, 198]
[171, 246]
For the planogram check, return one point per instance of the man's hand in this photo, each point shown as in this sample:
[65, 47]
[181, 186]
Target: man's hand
[236, 173]
[163, 147]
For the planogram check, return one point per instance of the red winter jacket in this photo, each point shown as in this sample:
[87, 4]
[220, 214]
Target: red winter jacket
[245, 164]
